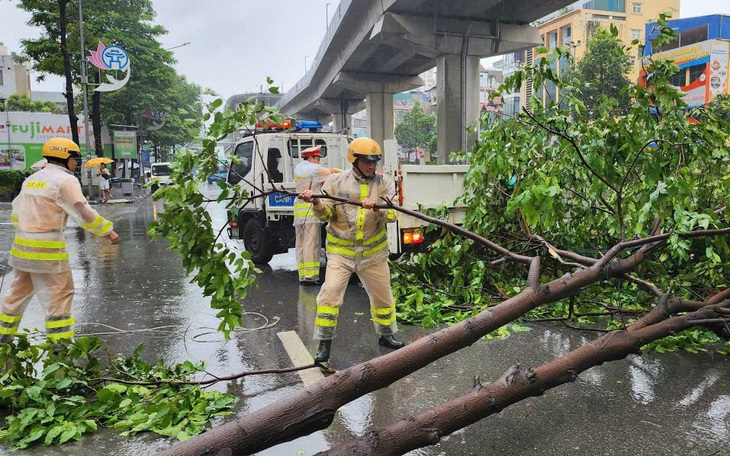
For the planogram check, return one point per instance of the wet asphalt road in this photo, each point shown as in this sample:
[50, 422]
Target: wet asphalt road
[137, 293]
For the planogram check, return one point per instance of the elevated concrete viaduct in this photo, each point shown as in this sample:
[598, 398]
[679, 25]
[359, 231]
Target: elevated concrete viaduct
[376, 48]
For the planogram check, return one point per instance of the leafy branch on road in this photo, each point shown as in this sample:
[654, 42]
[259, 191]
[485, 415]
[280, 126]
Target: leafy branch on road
[58, 396]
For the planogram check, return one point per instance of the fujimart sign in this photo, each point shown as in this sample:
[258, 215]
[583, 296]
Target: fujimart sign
[22, 139]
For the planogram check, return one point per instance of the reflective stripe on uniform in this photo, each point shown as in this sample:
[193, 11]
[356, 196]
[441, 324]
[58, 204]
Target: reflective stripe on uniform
[8, 331]
[343, 246]
[376, 249]
[308, 269]
[391, 215]
[326, 215]
[40, 243]
[40, 256]
[360, 224]
[302, 209]
[5, 318]
[9, 323]
[383, 315]
[53, 324]
[99, 226]
[326, 316]
[58, 336]
[60, 328]
[341, 250]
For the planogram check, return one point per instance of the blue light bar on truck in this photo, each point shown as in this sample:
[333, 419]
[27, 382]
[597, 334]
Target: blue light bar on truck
[308, 125]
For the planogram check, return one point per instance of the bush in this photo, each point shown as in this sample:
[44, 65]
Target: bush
[10, 182]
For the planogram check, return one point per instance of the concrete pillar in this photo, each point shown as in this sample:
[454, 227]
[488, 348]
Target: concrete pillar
[343, 119]
[380, 116]
[457, 99]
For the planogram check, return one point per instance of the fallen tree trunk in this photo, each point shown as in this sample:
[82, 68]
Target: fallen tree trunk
[515, 385]
[313, 408]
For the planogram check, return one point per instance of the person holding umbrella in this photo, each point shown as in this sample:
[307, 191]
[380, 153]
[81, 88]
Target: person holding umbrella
[104, 180]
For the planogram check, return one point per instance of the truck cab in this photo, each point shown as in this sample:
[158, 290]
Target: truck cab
[267, 162]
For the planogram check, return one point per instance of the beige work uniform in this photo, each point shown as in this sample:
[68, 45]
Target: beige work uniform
[356, 243]
[308, 176]
[38, 255]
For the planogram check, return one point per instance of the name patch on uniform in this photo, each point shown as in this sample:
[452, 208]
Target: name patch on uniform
[35, 185]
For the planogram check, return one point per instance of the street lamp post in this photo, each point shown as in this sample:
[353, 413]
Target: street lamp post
[84, 85]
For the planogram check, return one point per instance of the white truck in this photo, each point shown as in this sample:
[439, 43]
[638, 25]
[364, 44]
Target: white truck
[265, 224]
[160, 171]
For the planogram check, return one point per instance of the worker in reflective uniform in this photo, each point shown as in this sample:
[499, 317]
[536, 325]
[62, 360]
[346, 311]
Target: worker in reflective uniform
[308, 175]
[356, 243]
[38, 254]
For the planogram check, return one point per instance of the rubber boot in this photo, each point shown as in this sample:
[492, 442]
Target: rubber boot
[323, 355]
[390, 342]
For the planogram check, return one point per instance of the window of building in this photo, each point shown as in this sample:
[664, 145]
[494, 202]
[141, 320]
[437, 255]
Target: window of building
[552, 39]
[685, 38]
[679, 79]
[1, 78]
[696, 71]
[636, 8]
[616, 6]
[566, 35]
[693, 35]
[635, 34]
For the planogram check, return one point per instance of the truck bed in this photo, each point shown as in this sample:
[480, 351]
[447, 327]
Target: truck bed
[430, 186]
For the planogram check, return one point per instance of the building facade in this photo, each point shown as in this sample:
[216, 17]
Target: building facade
[14, 77]
[701, 48]
[574, 26]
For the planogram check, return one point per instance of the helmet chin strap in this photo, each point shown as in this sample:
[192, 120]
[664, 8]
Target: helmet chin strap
[359, 171]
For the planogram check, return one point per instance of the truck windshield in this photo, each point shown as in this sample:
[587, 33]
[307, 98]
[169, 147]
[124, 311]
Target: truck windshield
[161, 170]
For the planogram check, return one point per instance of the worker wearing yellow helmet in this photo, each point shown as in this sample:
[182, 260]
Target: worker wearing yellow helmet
[38, 254]
[356, 243]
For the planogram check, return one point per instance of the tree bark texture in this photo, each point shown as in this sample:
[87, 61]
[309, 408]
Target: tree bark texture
[515, 385]
[72, 119]
[96, 119]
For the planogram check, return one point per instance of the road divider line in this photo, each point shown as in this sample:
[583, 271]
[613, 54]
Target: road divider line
[300, 356]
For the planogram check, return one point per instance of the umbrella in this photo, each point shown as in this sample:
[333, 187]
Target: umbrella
[40, 164]
[96, 161]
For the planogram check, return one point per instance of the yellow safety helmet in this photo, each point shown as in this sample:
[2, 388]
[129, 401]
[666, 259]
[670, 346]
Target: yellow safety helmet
[365, 149]
[61, 148]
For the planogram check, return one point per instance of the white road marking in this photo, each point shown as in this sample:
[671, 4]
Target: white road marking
[300, 356]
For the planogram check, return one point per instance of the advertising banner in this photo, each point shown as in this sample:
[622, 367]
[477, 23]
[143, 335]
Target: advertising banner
[125, 144]
[711, 57]
[22, 135]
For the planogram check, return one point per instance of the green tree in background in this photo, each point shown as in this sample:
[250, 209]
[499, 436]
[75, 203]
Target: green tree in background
[154, 83]
[22, 102]
[578, 177]
[417, 130]
[600, 75]
[53, 53]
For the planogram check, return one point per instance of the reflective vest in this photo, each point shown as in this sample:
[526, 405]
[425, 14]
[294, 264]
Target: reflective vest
[308, 176]
[357, 235]
[40, 214]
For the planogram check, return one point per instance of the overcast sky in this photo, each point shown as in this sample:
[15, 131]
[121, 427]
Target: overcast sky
[236, 44]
